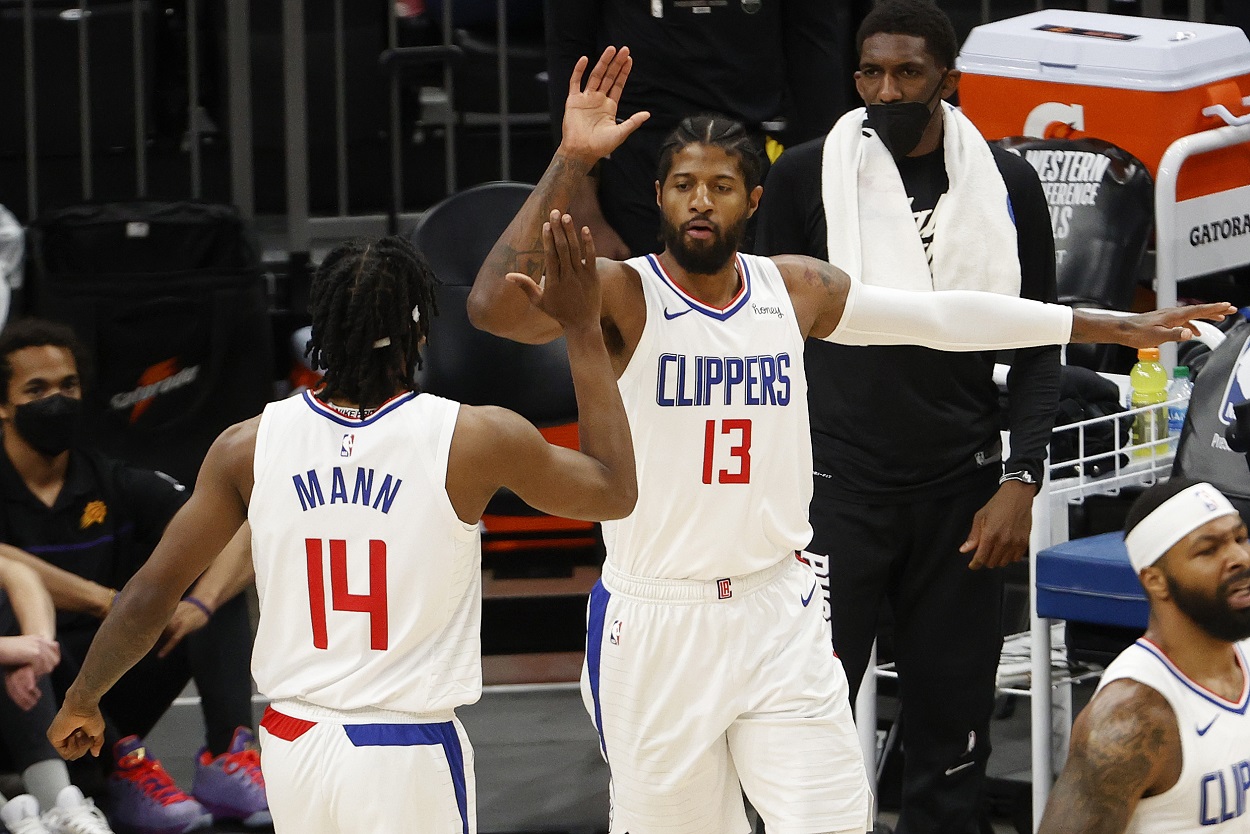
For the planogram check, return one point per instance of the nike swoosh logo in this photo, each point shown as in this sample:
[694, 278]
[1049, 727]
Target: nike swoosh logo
[951, 771]
[1202, 731]
[671, 316]
[805, 600]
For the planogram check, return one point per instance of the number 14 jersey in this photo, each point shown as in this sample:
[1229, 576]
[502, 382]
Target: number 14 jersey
[369, 584]
[717, 404]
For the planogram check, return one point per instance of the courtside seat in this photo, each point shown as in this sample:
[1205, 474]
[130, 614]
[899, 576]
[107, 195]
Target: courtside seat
[476, 368]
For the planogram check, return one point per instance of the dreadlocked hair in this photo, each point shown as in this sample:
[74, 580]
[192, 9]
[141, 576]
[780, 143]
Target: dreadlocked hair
[364, 292]
[719, 132]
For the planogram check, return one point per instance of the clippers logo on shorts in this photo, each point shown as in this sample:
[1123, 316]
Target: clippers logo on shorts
[158, 379]
[1238, 389]
[723, 589]
[349, 440]
[614, 633]
[820, 566]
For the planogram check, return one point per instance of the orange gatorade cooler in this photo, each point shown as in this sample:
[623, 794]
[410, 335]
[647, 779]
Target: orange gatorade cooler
[1139, 83]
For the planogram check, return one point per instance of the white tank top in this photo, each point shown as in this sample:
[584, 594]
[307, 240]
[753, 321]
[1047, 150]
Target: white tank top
[1212, 791]
[717, 404]
[369, 584]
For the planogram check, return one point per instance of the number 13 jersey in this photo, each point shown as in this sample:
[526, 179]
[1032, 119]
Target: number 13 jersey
[717, 404]
[369, 584]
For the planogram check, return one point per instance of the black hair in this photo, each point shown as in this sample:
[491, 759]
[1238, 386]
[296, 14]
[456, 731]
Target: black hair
[1153, 498]
[34, 332]
[717, 131]
[919, 18]
[364, 292]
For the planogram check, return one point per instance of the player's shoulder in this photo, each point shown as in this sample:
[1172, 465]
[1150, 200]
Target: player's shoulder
[1126, 712]
[801, 160]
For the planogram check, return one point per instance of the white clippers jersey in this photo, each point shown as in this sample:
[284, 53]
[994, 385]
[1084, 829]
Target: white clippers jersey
[369, 584]
[1211, 793]
[717, 404]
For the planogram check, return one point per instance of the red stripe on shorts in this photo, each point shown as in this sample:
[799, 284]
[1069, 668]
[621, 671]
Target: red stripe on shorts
[284, 726]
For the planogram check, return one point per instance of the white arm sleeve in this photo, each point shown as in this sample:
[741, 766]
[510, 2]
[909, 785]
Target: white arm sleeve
[954, 320]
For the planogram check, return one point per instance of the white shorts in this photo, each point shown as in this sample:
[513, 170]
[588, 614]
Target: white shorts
[344, 775]
[703, 690]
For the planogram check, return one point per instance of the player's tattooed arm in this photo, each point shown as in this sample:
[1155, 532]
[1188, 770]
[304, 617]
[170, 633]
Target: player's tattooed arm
[590, 131]
[818, 291]
[495, 304]
[1125, 746]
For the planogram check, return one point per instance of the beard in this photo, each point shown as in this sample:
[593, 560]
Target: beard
[702, 257]
[1212, 613]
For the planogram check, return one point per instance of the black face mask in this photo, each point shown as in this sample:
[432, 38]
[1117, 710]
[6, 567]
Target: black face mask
[900, 124]
[49, 424]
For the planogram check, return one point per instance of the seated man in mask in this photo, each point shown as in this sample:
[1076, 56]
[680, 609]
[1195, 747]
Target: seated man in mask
[85, 523]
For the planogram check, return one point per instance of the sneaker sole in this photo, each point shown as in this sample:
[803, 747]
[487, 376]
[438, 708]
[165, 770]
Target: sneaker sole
[203, 821]
[225, 812]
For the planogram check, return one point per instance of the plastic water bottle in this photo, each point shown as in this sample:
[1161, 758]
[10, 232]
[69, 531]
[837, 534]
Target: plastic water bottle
[1149, 384]
[1180, 389]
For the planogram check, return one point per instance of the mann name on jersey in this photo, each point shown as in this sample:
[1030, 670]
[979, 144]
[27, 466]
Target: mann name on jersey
[367, 489]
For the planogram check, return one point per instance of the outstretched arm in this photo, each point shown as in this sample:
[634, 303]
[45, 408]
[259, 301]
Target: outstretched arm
[590, 132]
[834, 307]
[193, 538]
[1125, 745]
[494, 447]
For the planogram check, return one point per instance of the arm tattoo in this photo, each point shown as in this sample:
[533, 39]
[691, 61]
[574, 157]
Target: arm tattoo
[1113, 762]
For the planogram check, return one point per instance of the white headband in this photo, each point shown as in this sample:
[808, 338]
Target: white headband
[1172, 521]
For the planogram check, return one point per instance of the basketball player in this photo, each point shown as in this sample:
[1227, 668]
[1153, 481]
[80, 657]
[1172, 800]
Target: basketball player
[1164, 746]
[707, 664]
[364, 500]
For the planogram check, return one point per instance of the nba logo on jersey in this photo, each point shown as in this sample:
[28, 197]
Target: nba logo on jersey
[723, 591]
[348, 441]
[1238, 389]
[614, 633]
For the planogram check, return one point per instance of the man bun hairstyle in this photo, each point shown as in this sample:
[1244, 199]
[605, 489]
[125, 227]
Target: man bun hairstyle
[719, 132]
[919, 18]
[363, 334]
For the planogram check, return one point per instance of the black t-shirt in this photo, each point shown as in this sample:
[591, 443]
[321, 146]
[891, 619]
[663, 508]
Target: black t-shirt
[751, 60]
[900, 423]
[103, 525]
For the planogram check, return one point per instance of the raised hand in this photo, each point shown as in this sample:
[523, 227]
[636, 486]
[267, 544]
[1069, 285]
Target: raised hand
[590, 129]
[570, 291]
[1142, 330]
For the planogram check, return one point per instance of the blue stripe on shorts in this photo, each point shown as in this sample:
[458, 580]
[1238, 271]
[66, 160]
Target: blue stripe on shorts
[599, 597]
[411, 735]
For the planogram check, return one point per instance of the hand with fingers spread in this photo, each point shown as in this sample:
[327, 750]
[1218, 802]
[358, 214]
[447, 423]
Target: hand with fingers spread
[570, 291]
[1142, 330]
[590, 128]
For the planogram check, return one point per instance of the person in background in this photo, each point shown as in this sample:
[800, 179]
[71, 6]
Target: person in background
[1164, 746]
[773, 65]
[85, 523]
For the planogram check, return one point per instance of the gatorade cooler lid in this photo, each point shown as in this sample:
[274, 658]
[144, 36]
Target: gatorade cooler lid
[1104, 50]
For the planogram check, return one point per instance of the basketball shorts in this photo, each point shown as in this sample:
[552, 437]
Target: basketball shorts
[703, 690]
[332, 772]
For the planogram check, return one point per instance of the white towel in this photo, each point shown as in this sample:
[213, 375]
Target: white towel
[866, 208]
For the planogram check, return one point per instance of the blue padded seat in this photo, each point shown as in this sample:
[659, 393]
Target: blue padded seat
[1090, 580]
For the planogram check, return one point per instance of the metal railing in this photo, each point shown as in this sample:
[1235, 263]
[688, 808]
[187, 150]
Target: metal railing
[86, 16]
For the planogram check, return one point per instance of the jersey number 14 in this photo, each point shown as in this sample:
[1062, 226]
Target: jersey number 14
[372, 603]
